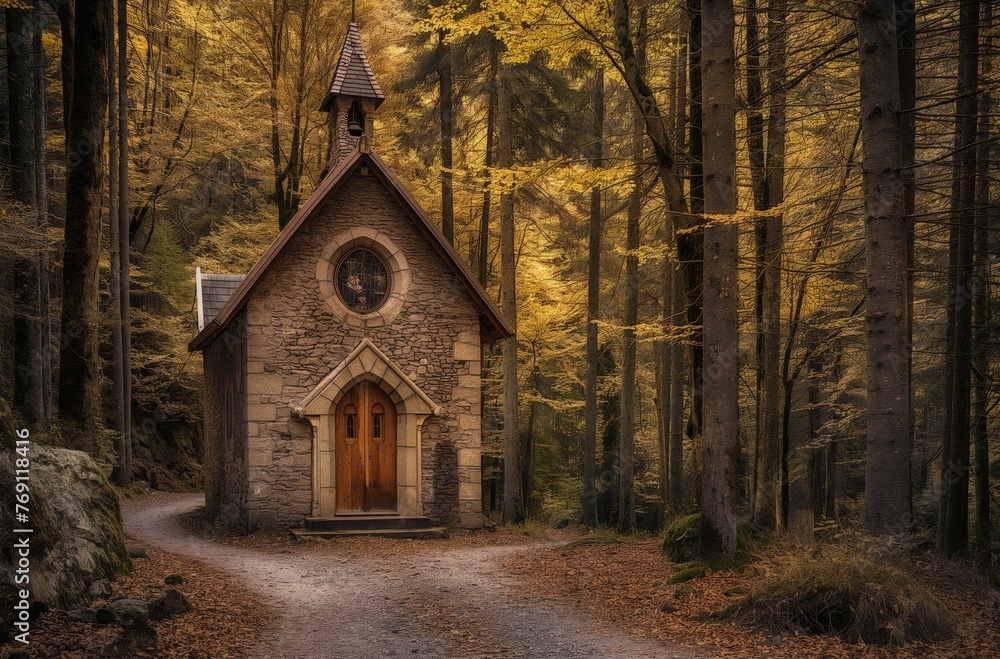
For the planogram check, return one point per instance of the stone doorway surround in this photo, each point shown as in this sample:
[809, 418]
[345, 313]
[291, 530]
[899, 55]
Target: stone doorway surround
[413, 406]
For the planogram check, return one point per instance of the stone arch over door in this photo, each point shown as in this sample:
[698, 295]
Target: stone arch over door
[366, 363]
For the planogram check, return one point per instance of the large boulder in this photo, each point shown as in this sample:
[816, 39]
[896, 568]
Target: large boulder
[77, 524]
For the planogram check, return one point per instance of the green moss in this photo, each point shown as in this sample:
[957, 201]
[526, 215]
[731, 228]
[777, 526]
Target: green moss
[682, 539]
[687, 572]
[682, 543]
[595, 540]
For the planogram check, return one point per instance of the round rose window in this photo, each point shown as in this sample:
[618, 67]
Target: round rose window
[362, 280]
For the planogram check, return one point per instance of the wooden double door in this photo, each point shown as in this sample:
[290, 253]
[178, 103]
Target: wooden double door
[366, 451]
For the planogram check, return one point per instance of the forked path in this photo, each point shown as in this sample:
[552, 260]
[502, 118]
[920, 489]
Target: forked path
[442, 602]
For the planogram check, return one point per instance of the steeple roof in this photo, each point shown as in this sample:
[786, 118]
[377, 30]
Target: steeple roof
[354, 75]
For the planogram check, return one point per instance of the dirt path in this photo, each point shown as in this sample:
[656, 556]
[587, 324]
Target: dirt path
[449, 602]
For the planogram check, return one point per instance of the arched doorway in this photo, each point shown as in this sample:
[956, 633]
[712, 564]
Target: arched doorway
[365, 429]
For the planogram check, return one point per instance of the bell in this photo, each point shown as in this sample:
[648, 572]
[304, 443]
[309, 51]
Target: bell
[354, 128]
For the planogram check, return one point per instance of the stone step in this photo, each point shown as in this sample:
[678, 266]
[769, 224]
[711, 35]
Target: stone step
[430, 532]
[367, 523]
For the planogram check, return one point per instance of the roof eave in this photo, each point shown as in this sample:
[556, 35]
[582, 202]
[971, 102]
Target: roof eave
[205, 336]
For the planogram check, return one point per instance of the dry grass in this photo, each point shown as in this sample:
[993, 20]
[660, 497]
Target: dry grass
[849, 589]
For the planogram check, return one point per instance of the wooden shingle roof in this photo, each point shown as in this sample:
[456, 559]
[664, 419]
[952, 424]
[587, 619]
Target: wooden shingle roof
[493, 325]
[353, 75]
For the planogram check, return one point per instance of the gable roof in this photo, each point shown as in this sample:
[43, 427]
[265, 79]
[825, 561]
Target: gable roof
[353, 75]
[493, 324]
[213, 293]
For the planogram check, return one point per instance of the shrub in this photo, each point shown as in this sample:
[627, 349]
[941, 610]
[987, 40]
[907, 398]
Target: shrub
[850, 591]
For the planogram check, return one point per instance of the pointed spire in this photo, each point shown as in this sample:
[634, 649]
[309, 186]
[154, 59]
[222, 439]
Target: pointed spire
[353, 76]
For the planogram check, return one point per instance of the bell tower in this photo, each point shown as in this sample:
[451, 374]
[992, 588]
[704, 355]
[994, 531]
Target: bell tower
[353, 97]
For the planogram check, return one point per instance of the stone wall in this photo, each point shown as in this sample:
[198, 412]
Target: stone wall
[226, 426]
[294, 340]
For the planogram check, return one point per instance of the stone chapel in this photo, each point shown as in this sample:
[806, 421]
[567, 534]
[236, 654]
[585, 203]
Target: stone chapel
[342, 372]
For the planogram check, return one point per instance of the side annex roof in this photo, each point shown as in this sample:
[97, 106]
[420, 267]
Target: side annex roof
[493, 325]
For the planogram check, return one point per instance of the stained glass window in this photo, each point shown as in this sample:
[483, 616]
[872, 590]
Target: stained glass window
[362, 280]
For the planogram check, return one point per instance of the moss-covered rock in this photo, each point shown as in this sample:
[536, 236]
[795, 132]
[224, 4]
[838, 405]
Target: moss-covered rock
[77, 527]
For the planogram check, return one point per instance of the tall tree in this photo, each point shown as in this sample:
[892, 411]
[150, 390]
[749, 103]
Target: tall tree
[720, 440]
[44, 334]
[493, 64]
[906, 45]
[887, 478]
[983, 318]
[447, 133]
[79, 362]
[955, 534]
[588, 495]
[120, 473]
[21, 125]
[677, 307]
[119, 239]
[690, 245]
[626, 455]
[767, 174]
[774, 183]
[513, 505]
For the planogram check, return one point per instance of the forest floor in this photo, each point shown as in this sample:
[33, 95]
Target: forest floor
[625, 585]
[498, 593]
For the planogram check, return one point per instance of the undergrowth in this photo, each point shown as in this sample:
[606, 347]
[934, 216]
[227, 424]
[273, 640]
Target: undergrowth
[855, 588]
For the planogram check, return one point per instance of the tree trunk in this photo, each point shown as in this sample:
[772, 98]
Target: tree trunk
[42, 207]
[887, 478]
[961, 244]
[119, 474]
[676, 302]
[124, 297]
[720, 439]
[626, 456]
[484, 220]
[447, 133]
[28, 368]
[513, 505]
[767, 179]
[775, 186]
[588, 495]
[983, 319]
[80, 369]
[690, 246]
[763, 472]
[906, 35]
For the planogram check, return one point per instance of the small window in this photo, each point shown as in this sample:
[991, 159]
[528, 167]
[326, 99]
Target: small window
[377, 420]
[351, 425]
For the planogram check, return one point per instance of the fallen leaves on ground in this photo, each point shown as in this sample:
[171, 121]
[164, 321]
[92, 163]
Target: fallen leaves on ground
[625, 584]
[227, 618]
